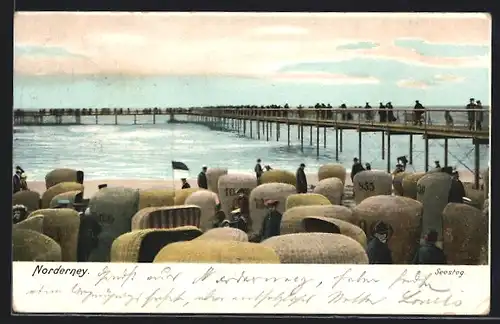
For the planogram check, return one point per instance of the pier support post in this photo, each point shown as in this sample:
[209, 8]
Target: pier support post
[317, 141]
[388, 151]
[258, 129]
[244, 127]
[270, 129]
[360, 140]
[251, 132]
[288, 133]
[154, 119]
[341, 138]
[298, 131]
[324, 137]
[301, 138]
[277, 131]
[96, 119]
[135, 119]
[476, 163]
[383, 145]
[310, 135]
[337, 144]
[426, 152]
[445, 152]
[410, 159]
[116, 119]
[267, 131]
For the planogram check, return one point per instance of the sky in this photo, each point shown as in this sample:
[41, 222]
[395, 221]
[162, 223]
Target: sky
[138, 60]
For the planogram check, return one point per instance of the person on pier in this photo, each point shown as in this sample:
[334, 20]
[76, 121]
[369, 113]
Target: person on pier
[382, 113]
[470, 113]
[429, 253]
[202, 178]
[368, 113]
[301, 183]
[479, 115]
[185, 184]
[344, 114]
[419, 111]
[378, 249]
[390, 113]
[258, 170]
[357, 167]
[368, 166]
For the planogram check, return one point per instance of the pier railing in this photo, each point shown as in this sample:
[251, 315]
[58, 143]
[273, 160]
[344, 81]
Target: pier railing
[447, 120]
[457, 120]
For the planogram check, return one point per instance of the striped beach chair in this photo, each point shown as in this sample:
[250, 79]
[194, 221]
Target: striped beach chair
[167, 217]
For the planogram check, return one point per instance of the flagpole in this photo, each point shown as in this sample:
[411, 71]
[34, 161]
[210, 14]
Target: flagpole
[173, 179]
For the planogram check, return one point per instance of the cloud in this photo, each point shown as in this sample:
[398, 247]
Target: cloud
[436, 80]
[46, 51]
[413, 84]
[322, 78]
[448, 78]
[280, 30]
[358, 45]
[239, 43]
[426, 48]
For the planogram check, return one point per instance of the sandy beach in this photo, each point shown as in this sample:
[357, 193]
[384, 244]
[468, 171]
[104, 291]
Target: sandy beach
[91, 185]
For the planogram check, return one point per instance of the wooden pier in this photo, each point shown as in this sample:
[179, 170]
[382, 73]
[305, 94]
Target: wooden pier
[432, 125]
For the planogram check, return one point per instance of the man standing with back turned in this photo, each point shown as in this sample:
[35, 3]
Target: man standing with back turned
[202, 178]
[301, 183]
[258, 170]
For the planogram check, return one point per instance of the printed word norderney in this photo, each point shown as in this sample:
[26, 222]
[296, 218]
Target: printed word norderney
[60, 270]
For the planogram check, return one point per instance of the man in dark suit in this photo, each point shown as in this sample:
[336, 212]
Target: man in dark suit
[301, 183]
[202, 178]
[429, 253]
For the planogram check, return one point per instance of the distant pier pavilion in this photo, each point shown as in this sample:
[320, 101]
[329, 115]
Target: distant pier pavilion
[434, 124]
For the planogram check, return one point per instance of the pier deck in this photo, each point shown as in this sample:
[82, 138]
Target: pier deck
[432, 125]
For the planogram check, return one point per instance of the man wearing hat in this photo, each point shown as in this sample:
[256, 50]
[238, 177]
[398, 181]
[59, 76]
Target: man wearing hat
[457, 189]
[479, 115]
[272, 221]
[16, 179]
[185, 184]
[429, 253]
[258, 170]
[243, 209]
[418, 110]
[378, 250]
[219, 216]
[391, 117]
[356, 168]
[470, 113]
[202, 178]
[437, 166]
[301, 179]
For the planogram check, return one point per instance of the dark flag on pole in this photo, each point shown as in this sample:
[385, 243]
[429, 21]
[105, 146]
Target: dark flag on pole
[179, 170]
[176, 165]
